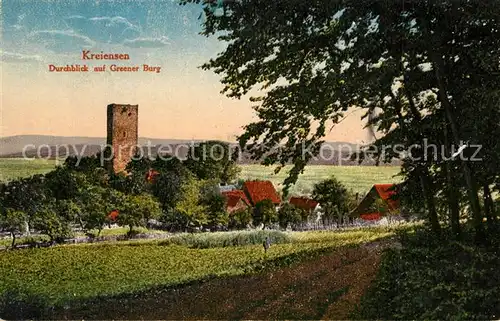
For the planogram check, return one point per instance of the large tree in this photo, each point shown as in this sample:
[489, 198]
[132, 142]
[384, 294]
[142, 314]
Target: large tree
[213, 160]
[414, 61]
[12, 221]
[334, 198]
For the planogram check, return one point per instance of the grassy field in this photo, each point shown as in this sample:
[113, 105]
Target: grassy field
[12, 168]
[357, 178]
[327, 286]
[66, 273]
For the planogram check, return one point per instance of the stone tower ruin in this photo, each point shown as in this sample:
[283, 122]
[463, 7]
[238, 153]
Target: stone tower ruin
[122, 135]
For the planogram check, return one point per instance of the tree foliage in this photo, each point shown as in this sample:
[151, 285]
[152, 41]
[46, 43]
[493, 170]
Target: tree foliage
[189, 209]
[13, 221]
[241, 218]
[289, 214]
[136, 210]
[264, 213]
[423, 71]
[334, 198]
[213, 160]
[215, 204]
[48, 221]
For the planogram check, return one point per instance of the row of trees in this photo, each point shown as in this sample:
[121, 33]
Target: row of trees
[426, 73]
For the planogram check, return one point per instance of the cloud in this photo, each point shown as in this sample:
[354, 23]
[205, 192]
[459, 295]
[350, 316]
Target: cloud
[104, 29]
[12, 57]
[147, 42]
[62, 40]
[114, 21]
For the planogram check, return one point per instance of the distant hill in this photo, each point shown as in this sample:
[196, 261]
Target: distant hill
[50, 146]
[15, 144]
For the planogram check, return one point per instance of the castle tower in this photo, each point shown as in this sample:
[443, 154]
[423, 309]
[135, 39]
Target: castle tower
[122, 134]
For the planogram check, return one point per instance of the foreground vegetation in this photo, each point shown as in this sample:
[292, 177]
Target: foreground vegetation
[65, 273]
[323, 287]
[436, 279]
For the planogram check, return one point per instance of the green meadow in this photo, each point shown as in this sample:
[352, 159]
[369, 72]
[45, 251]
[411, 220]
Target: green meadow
[64, 273]
[12, 168]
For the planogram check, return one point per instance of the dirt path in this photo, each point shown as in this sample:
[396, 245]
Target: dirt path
[328, 287]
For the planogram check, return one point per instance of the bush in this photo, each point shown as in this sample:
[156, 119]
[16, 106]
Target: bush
[225, 239]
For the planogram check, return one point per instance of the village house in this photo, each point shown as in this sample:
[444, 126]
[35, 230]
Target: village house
[252, 192]
[257, 191]
[235, 200]
[377, 203]
[227, 188]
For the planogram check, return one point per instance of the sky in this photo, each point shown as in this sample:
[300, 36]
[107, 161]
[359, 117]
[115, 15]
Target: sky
[180, 102]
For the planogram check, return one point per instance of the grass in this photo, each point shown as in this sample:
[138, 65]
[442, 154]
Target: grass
[12, 168]
[85, 271]
[358, 178]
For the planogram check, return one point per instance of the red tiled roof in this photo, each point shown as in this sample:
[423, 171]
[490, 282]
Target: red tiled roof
[303, 202]
[371, 216]
[261, 190]
[385, 194]
[232, 201]
[234, 196]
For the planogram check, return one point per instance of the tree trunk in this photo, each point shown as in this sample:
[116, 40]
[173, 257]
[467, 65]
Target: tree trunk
[453, 204]
[82, 226]
[423, 171]
[452, 192]
[488, 203]
[27, 227]
[472, 190]
[13, 245]
[429, 200]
